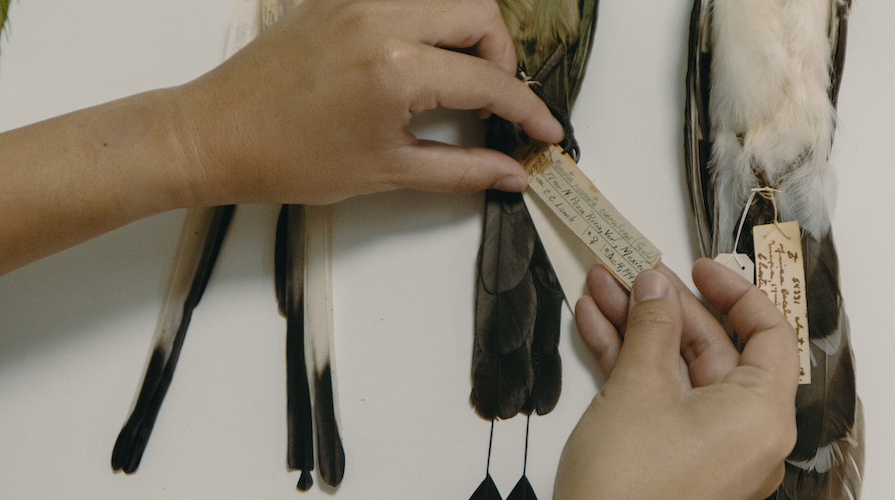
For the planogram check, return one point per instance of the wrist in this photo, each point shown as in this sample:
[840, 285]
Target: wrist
[187, 172]
[218, 162]
[142, 154]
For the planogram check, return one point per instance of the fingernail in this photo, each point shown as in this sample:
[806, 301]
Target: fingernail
[512, 183]
[650, 285]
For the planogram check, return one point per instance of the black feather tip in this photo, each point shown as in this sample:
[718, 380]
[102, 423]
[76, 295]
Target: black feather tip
[522, 490]
[305, 481]
[486, 491]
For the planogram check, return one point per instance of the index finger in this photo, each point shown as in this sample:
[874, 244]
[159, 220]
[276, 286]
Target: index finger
[705, 346]
[460, 81]
[468, 24]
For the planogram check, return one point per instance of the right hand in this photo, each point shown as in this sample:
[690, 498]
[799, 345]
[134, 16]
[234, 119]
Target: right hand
[719, 428]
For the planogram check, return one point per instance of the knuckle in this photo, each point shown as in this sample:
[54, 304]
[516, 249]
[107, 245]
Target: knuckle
[355, 16]
[383, 55]
[389, 65]
[393, 57]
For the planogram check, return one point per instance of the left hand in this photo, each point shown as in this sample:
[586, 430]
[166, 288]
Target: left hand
[316, 108]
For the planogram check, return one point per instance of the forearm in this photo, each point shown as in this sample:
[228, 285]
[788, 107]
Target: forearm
[71, 178]
[312, 112]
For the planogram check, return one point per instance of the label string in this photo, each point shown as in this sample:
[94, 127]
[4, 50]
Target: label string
[766, 193]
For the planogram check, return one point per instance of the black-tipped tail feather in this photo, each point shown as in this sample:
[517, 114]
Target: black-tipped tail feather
[204, 231]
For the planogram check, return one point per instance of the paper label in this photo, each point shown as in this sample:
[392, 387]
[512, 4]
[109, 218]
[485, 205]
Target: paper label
[780, 274]
[572, 197]
[244, 25]
[739, 263]
[271, 12]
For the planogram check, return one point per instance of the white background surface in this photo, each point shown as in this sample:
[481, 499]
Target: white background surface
[75, 328]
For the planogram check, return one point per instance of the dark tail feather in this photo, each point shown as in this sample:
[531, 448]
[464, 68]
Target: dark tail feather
[300, 430]
[289, 267]
[545, 360]
[330, 454]
[199, 245]
[828, 459]
[842, 481]
[516, 365]
[502, 373]
[281, 259]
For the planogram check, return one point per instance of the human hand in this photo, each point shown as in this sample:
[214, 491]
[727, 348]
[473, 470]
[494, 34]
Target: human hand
[316, 108]
[721, 428]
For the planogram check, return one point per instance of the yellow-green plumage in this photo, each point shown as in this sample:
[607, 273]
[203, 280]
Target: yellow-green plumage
[538, 27]
[543, 24]
[4, 7]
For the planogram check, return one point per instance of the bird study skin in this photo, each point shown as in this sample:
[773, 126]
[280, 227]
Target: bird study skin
[762, 86]
[516, 366]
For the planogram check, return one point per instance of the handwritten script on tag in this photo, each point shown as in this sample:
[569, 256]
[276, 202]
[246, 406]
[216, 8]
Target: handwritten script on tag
[780, 274]
[573, 198]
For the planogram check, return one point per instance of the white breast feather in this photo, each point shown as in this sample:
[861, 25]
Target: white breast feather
[770, 109]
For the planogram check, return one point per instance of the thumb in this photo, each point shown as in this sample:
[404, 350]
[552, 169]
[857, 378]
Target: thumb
[652, 344]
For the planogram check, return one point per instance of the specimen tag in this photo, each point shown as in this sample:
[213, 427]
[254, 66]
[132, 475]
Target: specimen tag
[780, 274]
[271, 12]
[573, 198]
[739, 263]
